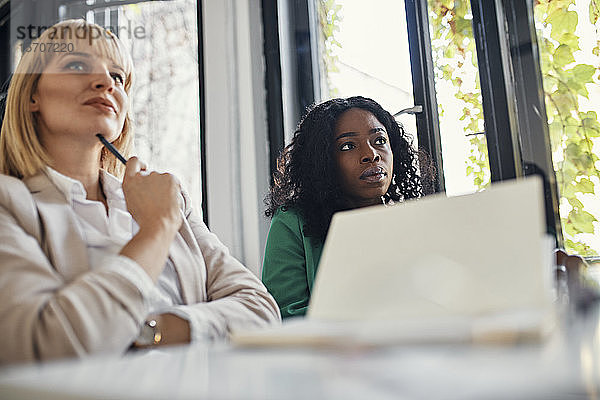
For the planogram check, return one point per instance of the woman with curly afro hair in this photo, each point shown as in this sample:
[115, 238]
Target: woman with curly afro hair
[345, 154]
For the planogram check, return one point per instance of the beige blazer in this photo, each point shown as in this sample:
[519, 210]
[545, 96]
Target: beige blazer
[52, 305]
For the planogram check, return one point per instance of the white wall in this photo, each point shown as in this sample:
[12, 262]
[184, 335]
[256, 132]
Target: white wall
[236, 126]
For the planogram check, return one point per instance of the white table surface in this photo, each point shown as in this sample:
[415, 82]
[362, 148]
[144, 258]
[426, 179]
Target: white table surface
[565, 366]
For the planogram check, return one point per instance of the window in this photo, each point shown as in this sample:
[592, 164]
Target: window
[464, 145]
[364, 51]
[162, 38]
[475, 78]
[568, 35]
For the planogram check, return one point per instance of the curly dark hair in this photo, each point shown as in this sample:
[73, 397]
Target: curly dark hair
[306, 177]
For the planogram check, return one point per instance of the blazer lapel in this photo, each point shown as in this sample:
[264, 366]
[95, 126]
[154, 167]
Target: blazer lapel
[62, 240]
[189, 263]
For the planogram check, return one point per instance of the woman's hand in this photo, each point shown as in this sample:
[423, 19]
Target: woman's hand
[153, 201]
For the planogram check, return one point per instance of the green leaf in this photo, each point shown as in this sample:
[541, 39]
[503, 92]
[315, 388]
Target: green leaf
[570, 229]
[583, 73]
[563, 55]
[582, 221]
[575, 203]
[570, 40]
[570, 172]
[585, 162]
[585, 186]
[563, 103]
[582, 91]
[571, 85]
[562, 22]
[572, 132]
[591, 127]
[590, 114]
[591, 133]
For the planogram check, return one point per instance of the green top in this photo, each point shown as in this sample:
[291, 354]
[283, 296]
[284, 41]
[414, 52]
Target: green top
[290, 264]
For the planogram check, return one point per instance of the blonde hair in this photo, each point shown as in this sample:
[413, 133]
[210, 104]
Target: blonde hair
[21, 153]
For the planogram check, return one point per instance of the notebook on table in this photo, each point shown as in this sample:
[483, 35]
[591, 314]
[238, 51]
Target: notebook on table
[433, 269]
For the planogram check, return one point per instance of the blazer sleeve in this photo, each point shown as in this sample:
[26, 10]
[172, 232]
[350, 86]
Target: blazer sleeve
[44, 316]
[284, 266]
[236, 299]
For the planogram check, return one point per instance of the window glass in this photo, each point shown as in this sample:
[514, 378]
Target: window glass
[364, 50]
[163, 41]
[569, 43]
[464, 147]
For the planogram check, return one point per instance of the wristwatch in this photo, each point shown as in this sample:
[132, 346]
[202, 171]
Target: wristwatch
[150, 334]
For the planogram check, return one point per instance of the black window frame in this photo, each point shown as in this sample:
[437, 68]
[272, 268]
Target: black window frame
[272, 54]
[513, 98]
[511, 85]
[428, 125]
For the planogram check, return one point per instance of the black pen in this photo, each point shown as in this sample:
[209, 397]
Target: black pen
[111, 148]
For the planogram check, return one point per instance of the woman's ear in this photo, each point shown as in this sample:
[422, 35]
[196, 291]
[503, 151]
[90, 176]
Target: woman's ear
[34, 104]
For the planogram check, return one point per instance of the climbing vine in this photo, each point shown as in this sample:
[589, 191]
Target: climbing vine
[455, 58]
[573, 132]
[329, 20]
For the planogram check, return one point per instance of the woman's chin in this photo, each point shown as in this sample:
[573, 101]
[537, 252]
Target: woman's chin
[108, 134]
[365, 200]
[109, 129]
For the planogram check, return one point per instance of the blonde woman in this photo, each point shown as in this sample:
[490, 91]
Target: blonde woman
[90, 263]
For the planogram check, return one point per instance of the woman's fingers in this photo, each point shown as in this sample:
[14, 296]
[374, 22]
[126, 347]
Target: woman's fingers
[134, 165]
[153, 199]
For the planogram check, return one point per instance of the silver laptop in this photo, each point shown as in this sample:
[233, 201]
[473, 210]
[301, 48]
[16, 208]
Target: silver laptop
[472, 255]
